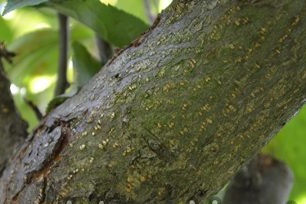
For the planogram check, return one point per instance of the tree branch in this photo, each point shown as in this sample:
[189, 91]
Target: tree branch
[176, 114]
[12, 127]
[62, 82]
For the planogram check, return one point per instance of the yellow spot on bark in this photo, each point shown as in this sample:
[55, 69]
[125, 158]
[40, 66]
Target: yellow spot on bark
[82, 146]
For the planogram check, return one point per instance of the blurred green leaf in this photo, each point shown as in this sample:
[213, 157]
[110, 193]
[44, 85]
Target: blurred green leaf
[113, 25]
[59, 99]
[56, 101]
[15, 4]
[36, 55]
[84, 64]
[289, 145]
[6, 33]
[25, 111]
[80, 31]
[137, 8]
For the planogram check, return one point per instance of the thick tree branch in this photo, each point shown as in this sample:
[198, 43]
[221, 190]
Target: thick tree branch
[174, 116]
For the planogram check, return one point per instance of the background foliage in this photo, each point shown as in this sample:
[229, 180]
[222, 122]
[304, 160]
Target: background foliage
[32, 33]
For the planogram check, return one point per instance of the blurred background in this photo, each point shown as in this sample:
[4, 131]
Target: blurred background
[32, 33]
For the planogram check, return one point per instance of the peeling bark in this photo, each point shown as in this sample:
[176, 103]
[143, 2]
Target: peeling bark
[173, 116]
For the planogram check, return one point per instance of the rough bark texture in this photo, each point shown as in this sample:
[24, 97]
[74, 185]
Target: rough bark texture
[173, 116]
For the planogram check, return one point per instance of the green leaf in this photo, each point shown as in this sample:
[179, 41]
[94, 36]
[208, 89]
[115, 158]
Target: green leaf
[289, 145]
[84, 64]
[36, 54]
[16, 4]
[113, 25]
[25, 111]
[137, 8]
[58, 100]
[6, 33]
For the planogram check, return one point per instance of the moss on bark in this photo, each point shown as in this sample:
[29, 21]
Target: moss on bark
[175, 114]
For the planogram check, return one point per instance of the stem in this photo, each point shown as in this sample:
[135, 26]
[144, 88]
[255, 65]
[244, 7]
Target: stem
[104, 49]
[62, 82]
[148, 10]
[35, 109]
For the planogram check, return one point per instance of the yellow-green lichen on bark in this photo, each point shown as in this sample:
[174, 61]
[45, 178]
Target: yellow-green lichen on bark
[158, 128]
[172, 118]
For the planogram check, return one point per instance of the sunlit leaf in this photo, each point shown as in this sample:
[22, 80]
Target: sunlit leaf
[137, 8]
[113, 25]
[84, 64]
[36, 55]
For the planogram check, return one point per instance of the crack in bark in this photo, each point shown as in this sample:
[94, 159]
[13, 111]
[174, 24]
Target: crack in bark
[39, 171]
[43, 191]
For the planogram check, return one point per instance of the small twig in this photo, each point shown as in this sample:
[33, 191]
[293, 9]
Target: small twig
[5, 54]
[62, 82]
[35, 109]
[104, 49]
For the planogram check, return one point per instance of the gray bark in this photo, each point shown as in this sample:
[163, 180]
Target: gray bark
[173, 116]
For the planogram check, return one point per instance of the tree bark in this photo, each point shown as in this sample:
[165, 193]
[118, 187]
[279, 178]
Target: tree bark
[173, 116]
[12, 127]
